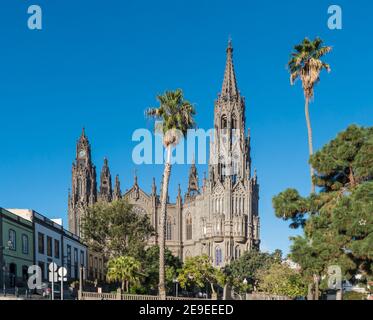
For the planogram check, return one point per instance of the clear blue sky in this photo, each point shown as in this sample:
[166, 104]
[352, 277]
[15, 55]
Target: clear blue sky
[99, 64]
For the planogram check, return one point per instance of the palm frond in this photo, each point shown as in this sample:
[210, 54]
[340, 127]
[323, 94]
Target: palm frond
[305, 63]
[176, 115]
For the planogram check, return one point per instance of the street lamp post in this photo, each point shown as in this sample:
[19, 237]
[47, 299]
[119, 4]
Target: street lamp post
[245, 282]
[177, 286]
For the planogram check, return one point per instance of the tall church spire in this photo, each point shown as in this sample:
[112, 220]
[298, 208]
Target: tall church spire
[105, 183]
[154, 188]
[229, 158]
[117, 194]
[84, 188]
[229, 88]
[193, 188]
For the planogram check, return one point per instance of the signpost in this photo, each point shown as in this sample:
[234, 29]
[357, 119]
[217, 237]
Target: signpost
[62, 272]
[52, 276]
[57, 274]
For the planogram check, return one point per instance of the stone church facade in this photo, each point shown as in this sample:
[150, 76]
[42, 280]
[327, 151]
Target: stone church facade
[220, 218]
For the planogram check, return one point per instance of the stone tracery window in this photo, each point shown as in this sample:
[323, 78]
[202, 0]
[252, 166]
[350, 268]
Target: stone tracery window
[138, 210]
[224, 122]
[189, 227]
[237, 252]
[218, 256]
[234, 122]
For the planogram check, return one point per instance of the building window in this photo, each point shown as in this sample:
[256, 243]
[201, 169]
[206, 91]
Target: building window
[41, 242]
[189, 227]
[56, 249]
[68, 260]
[49, 246]
[82, 257]
[222, 168]
[90, 266]
[237, 252]
[96, 267]
[76, 262]
[224, 122]
[12, 240]
[75, 256]
[99, 269]
[218, 256]
[234, 122]
[25, 244]
[168, 229]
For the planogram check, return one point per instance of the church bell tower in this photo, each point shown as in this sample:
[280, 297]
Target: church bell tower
[84, 187]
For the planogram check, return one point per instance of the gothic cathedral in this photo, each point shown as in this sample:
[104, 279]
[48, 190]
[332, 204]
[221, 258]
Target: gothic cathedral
[220, 219]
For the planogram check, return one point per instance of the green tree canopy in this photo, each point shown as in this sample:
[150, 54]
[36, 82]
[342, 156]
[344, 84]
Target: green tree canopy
[126, 270]
[199, 271]
[115, 229]
[281, 280]
[247, 267]
[345, 161]
[151, 267]
[338, 221]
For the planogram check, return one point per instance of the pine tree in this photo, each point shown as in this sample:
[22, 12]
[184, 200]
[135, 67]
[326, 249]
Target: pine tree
[338, 221]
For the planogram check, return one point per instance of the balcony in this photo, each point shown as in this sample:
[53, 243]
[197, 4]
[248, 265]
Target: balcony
[218, 236]
[240, 238]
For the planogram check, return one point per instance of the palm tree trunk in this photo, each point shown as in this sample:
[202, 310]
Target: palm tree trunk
[317, 293]
[310, 295]
[214, 295]
[162, 229]
[212, 288]
[310, 146]
[352, 177]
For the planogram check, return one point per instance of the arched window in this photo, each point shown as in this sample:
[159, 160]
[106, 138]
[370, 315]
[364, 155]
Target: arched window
[12, 240]
[80, 187]
[234, 122]
[235, 169]
[189, 227]
[224, 122]
[222, 168]
[235, 133]
[218, 256]
[168, 229]
[237, 252]
[25, 245]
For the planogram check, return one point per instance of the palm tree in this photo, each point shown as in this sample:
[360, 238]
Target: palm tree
[125, 269]
[306, 64]
[175, 117]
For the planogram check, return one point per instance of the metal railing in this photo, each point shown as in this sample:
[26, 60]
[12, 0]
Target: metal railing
[263, 296]
[118, 296]
[139, 297]
[97, 296]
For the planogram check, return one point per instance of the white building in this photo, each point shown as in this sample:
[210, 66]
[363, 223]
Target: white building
[75, 254]
[53, 243]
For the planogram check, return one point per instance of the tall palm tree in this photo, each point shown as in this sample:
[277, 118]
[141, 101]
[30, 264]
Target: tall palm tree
[126, 270]
[306, 64]
[175, 117]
